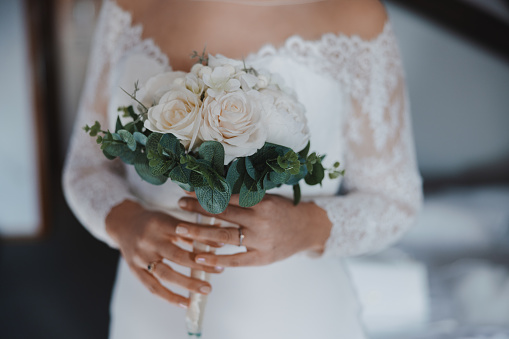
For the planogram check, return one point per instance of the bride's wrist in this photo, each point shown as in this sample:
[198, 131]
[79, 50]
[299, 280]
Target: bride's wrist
[319, 226]
[119, 217]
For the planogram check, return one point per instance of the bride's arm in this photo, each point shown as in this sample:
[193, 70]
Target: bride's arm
[92, 184]
[382, 182]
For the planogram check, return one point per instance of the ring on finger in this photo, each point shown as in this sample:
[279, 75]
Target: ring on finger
[241, 236]
[151, 267]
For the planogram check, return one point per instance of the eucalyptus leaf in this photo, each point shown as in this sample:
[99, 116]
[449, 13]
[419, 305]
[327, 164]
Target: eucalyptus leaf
[140, 138]
[213, 152]
[305, 151]
[144, 171]
[251, 192]
[214, 200]
[170, 144]
[316, 176]
[235, 175]
[128, 138]
[279, 178]
[153, 142]
[162, 167]
[180, 174]
[118, 125]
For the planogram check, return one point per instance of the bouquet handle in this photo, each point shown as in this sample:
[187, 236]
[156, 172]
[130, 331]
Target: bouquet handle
[196, 309]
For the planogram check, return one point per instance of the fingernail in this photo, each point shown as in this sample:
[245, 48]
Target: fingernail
[181, 230]
[183, 305]
[219, 268]
[205, 289]
[182, 203]
[200, 260]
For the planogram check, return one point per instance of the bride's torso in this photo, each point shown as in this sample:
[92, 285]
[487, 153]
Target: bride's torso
[294, 41]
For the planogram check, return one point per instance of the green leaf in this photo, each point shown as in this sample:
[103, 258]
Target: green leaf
[305, 151]
[118, 125]
[128, 138]
[296, 194]
[251, 192]
[279, 178]
[140, 138]
[251, 170]
[316, 176]
[162, 167]
[235, 175]
[294, 179]
[213, 152]
[198, 179]
[180, 174]
[153, 142]
[214, 200]
[144, 171]
[171, 145]
[108, 156]
[267, 183]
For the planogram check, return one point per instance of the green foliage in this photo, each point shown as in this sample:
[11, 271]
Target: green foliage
[296, 194]
[157, 157]
[144, 171]
[213, 153]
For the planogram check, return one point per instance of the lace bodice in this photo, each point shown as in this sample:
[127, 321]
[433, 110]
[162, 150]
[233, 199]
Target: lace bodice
[358, 112]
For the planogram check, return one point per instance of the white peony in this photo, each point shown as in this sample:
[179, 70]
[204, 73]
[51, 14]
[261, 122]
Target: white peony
[236, 120]
[286, 121]
[178, 113]
[192, 83]
[221, 80]
[157, 86]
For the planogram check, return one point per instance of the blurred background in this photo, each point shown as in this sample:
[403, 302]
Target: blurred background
[448, 277]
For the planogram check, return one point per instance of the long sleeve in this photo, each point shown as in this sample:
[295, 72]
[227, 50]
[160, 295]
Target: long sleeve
[92, 184]
[382, 183]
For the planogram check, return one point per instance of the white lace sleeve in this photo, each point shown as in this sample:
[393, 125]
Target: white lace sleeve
[382, 183]
[92, 184]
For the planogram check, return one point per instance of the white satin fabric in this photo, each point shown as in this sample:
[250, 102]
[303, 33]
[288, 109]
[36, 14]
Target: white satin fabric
[358, 114]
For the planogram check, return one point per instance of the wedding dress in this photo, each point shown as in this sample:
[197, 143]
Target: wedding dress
[358, 113]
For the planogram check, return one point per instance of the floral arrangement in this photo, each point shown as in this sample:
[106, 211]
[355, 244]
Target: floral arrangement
[221, 129]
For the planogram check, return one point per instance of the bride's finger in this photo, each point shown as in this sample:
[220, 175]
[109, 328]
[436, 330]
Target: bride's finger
[154, 286]
[235, 214]
[165, 272]
[249, 258]
[225, 235]
[183, 258]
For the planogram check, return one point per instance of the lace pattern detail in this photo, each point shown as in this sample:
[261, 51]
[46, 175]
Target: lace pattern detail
[92, 184]
[382, 181]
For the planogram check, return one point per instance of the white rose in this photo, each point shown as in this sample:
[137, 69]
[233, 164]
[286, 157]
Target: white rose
[286, 121]
[236, 121]
[178, 113]
[157, 86]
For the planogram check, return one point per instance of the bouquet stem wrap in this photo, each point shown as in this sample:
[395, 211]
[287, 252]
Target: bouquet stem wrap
[195, 312]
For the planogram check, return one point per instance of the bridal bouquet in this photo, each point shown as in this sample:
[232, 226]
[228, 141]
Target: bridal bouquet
[218, 130]
[221, 129]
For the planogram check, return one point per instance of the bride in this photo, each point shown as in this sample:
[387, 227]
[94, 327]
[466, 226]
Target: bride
[286, 280]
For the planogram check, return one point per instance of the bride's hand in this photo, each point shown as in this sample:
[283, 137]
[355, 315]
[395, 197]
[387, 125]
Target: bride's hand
[146, 237]
[273, 230]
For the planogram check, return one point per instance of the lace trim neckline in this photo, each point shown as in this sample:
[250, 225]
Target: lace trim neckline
[265, 50]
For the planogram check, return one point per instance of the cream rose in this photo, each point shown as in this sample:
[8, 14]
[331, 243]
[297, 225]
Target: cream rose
[157, 86]
[236, 120]
[178, 113]
[286, 121]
